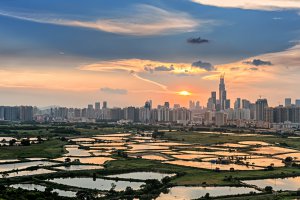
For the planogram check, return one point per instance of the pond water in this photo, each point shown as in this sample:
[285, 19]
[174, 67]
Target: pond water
[232, 145]
[136, 147]
[78, 167]
[154, 157]
[142, 175]
[292, 183]
[254, 143]
[87, 160]
[191, 156]
[29, 173]
[186, 193]
[9, 160]
[74, 151]
[100, 184]
[295, 156]
[265, 162]
[24, 165]
[209, 165]
[27, 186]
[271, 150]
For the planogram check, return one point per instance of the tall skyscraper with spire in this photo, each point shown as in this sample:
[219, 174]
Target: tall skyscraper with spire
[222, 93]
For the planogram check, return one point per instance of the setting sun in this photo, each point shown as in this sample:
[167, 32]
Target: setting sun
[184, 93]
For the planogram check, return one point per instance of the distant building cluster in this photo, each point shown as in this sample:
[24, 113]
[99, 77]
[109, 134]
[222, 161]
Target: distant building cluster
[16, 113]
[145, 114]
[218, 112]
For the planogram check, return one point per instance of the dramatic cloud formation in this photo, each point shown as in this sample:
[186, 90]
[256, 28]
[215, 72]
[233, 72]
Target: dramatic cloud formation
[258, 62]
[197, 40]
[253, 4]
[203, 65]
[113, 91]
[143, 20]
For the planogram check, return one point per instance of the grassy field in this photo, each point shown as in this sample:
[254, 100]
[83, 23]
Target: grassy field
[207, 138]
[48, 149]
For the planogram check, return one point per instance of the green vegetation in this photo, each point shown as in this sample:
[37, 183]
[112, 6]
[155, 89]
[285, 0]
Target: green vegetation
[48, 149]
[208, 138]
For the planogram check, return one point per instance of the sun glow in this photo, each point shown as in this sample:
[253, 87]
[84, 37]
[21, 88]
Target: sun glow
[184, 93]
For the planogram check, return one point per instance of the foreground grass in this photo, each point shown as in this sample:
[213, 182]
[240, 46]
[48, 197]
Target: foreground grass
[47, 149]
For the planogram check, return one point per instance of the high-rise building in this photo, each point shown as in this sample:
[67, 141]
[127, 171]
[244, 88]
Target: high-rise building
[297, 102]
[167, 104]
[192, 105]
[197, 105]
[227, 105]
[260, 106]
[237, 103]
[288, 102]
[97, 106]
[221, 118]
[214, 97]
[104, 106]
[245, 104]
[222, 93]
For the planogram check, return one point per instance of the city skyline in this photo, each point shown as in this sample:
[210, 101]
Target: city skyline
[70, 55]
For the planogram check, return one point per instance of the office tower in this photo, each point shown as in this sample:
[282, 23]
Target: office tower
[97, 106]
[90, 111]
[116, 114]
[129, 113]
[288, 102]
[237, 103]
[214, 97]
[197, 105]
[245, 104]
[227, 104]
[222, 93]
[260, 106]
[26, 113]
[210, 104]
[297, 102]
[167, 105]
[176, 105]
[221, 118]
[192, 105]
[104, 106]
[2, 113]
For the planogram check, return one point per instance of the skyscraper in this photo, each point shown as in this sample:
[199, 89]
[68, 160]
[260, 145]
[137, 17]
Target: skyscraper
[222, 93]
[237, 103]
[214, 97]
[97, 106]
[288, 102]
[260, 106]
[104, 106]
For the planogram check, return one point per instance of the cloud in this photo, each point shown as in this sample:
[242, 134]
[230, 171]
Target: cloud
[113, 91]
[161, 68]
[197, 40]
[257, 62]
[268, 5]
[203, 65]
[142, 66]
[143, 20]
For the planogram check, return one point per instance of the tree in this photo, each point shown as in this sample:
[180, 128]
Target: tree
[288, 159]
[269, 189]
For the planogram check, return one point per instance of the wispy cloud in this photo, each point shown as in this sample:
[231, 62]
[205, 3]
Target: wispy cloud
[113, 90]
[141, 21]
[253, 4]
[140, 66]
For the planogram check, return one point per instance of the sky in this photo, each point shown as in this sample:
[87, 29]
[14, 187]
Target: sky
[72, 53]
